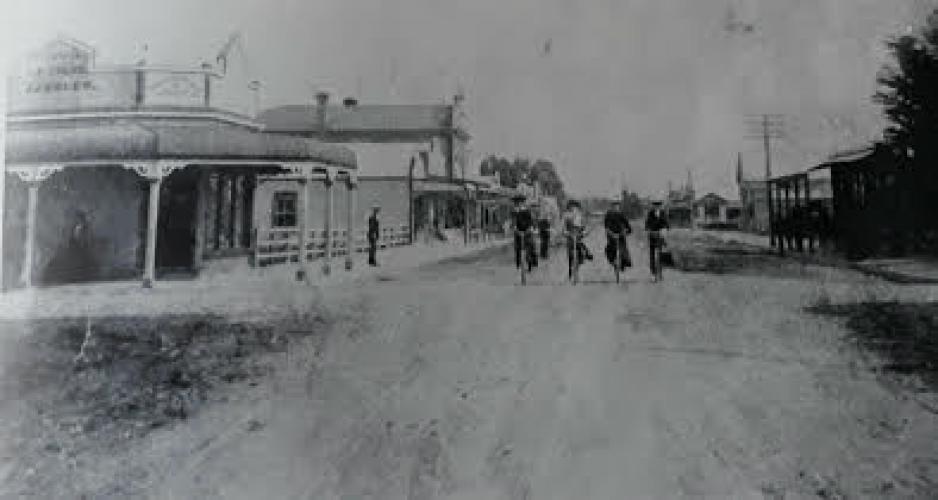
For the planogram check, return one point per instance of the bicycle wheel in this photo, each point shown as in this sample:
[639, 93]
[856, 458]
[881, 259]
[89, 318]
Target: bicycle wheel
[524, 264]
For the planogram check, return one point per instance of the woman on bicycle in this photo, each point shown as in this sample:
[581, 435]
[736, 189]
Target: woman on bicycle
[655, 222]
[574, 227]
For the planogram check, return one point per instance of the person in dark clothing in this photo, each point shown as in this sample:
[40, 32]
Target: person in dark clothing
[617, 226]
[543, 229]
[75, 261]
[523, 222]
[374, 231]
[655, 222]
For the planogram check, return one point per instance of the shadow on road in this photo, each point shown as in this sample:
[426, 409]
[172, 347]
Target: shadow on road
[901, 335]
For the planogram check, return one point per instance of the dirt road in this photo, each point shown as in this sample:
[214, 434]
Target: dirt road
[455, 382]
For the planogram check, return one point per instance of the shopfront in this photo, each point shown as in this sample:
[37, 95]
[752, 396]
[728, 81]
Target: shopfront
[119, 172]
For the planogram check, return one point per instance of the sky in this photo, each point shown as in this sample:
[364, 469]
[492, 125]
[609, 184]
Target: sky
[634, 92]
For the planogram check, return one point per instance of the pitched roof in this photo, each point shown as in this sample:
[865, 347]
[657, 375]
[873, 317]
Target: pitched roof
[711, 197]
[303, 119]
[164, 139]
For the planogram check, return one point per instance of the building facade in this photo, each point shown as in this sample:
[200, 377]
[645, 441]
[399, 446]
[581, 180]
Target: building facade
[420, 147]
[679, 205]
[712, 211]
[754, 206]
[133, 171]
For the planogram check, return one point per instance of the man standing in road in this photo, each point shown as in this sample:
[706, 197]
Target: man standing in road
[655, 222]
[374, 230]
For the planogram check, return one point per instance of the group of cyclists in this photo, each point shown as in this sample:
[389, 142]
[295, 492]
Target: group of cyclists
[574, 229]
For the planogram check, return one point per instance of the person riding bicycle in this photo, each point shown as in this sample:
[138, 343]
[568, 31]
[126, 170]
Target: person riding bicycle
[617, 226]
[575, 226]
[655, 223]
[523, 222]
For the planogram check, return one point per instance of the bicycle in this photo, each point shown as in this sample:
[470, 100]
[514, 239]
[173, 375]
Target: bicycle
[527, 259]
[617, 264]
[655, 244]
[574, 257]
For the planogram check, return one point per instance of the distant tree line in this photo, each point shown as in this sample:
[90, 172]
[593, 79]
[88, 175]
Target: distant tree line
[524, 170]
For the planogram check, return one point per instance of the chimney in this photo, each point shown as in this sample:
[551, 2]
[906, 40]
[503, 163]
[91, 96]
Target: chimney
[350, 102]
[322, 100]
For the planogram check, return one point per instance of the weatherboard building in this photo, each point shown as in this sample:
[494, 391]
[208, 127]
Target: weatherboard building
[117, 172]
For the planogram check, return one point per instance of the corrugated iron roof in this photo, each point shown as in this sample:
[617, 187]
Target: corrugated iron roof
[162, 139]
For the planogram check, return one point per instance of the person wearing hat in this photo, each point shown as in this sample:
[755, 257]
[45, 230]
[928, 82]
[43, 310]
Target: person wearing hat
[573, 224]
[374, 231]
[523, 221]
[543, 230]
[617, 227]
[655, 222]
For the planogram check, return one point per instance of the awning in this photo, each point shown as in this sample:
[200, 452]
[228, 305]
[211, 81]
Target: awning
[424, 186]
[155, 140]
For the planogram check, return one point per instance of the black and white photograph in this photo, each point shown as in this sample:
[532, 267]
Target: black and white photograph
[469, 249]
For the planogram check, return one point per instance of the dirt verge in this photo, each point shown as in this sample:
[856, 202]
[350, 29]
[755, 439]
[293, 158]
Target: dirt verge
[81, 387]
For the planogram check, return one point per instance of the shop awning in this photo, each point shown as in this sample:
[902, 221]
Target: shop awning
[155, 140]
[425, 186]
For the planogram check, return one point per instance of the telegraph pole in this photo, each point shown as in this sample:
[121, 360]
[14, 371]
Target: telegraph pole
[767, 127]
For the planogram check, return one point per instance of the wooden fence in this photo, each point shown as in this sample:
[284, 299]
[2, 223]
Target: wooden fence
[275, 246]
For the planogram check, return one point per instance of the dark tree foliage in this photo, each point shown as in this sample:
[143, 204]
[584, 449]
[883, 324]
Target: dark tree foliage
[513, 172]
[909, 95]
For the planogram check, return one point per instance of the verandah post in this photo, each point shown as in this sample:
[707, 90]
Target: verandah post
[153, 207]
[32, 206]
[327, 223]
[350, 225]
[303, 226]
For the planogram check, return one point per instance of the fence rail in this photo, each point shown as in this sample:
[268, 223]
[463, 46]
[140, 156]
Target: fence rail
[275, 246]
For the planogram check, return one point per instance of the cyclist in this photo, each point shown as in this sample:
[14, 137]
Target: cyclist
[543, 230]
[523, 222]
[574, 225]
[655, 223]
[617, 226]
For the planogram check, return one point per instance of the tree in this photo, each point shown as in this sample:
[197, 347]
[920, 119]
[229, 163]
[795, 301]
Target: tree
[513, 172]
[909, 95]
[544, 172]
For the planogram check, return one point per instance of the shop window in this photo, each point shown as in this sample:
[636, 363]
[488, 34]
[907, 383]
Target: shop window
[284, 209]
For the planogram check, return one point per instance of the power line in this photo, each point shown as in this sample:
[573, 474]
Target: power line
[771, 126]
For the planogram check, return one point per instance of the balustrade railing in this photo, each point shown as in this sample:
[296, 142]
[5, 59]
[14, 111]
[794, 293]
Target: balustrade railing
[275, 246]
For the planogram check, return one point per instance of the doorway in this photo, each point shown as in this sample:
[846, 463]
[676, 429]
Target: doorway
[177, 223]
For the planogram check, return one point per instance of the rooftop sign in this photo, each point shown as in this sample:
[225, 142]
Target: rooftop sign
[62, 77]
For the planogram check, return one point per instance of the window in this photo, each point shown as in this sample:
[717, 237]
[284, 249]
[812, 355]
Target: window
[284, 209]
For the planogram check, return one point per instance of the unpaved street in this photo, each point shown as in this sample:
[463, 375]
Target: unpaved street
[455, 382]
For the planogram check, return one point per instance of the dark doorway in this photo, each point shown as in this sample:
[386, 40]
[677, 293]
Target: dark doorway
[176, 227]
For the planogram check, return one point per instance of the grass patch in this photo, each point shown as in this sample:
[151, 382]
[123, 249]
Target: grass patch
[904, 336]
[134, 374]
